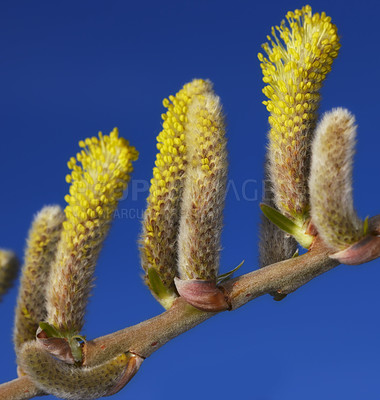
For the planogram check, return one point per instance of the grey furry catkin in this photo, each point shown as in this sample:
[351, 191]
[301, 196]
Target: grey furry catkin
[76, 383]
[204, 191]
[330, 183]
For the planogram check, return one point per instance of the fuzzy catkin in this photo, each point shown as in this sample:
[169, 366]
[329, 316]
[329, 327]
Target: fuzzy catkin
[274, 244]
[9, 266]
[99, 176]
[40, 253]
[158, 241]
[68, 381]
[332, 207]
[204, 191]
[297, 64]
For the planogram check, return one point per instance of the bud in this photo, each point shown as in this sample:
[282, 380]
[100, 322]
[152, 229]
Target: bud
[365, 250]
[202, 294]
[39, 255]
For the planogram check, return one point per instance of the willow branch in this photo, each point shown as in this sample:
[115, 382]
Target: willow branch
[19, 389]
[145, 338]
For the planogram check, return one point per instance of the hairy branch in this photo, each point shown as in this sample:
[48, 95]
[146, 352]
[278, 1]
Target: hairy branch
[145, 338]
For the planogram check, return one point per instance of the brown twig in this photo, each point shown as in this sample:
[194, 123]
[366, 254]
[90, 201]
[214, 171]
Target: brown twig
[19, 389]
[145, 338]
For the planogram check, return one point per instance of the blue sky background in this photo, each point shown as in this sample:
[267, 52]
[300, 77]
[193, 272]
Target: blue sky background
[69, 69]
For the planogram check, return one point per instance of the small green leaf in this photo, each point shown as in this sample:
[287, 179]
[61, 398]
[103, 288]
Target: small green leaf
[156, 283]
[287, 225]
[279, 219]
[75, 347]
[224, 277]
[365, 225]
[50, 330]
[165, 295]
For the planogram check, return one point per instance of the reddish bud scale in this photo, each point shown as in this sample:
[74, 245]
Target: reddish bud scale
[203, 295]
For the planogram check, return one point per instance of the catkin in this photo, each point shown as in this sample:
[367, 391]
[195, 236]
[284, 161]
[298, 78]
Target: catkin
[158, 242]
[40, 253]
[332, 207]
[204, 191]
[298, 61]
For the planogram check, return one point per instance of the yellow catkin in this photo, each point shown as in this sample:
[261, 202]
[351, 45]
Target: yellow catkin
[332, 206]
[161, 219]
[100, 173]
[39, 255]
[68, 381]
[8, 270]
[299, 56]
[204, 191]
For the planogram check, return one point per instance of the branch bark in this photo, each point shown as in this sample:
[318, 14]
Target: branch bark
[19, 389]
[145, 338]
